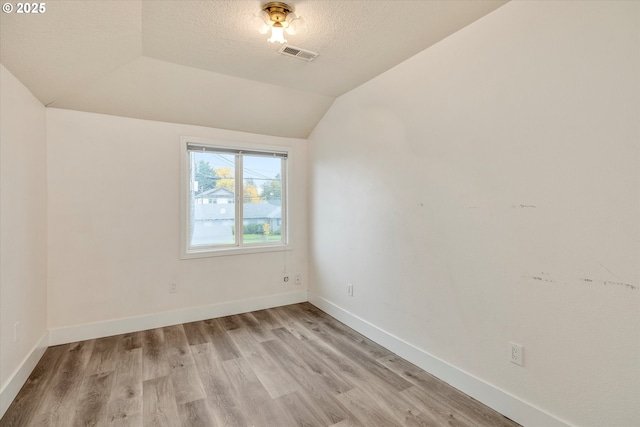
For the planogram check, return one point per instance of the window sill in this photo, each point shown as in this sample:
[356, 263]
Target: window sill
[207, 253]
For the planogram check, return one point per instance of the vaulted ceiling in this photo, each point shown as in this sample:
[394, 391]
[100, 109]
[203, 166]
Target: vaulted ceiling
[204, 63]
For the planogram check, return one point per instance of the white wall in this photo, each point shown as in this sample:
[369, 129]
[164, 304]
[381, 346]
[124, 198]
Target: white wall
[114, 231]
[487, 191]
[23, 227]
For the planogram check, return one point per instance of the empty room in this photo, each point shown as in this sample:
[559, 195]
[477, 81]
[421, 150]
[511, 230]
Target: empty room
[320, 213]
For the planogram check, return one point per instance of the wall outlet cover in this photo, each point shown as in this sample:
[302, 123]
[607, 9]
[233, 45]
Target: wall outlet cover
[516, 353]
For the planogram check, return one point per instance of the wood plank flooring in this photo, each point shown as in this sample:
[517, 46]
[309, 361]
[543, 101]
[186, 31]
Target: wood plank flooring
[286, 366]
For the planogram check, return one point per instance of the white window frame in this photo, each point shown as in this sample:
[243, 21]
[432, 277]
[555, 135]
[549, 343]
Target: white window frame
[188, 252]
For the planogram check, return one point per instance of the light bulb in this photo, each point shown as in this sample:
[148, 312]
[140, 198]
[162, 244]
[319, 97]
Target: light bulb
[277, 34]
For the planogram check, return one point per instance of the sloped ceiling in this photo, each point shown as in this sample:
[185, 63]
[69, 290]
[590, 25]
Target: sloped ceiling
[203, 62]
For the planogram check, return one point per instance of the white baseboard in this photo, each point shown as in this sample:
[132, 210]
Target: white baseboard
[503, 402]
[14, 383]
[107, 328]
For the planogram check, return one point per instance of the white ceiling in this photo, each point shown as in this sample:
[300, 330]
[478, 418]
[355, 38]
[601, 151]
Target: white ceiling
[203, 63]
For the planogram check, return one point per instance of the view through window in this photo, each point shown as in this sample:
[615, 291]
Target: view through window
[236, 198]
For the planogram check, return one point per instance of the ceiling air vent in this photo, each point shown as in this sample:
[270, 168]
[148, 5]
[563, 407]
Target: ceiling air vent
[289, 50]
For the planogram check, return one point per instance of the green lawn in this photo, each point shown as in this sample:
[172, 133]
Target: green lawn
[255, 238]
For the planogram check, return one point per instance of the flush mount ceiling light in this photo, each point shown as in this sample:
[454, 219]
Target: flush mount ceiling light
[277, 17]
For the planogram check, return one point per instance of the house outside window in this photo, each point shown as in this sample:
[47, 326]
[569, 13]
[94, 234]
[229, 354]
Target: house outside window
[234, 198]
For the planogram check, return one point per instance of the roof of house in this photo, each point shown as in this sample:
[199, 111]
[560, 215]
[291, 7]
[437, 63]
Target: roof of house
[219, 191]
[213, 211]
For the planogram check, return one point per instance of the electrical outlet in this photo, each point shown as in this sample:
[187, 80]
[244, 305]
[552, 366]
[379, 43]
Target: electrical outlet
[516, 353]
[350, 289]
[285, 278]
[173, 288]
[298, 279]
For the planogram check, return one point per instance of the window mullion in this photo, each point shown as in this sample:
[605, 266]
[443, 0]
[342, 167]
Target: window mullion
[239, 201]
[283, 201]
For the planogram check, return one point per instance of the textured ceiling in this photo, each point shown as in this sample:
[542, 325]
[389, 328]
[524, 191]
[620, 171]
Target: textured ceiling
[203, 63]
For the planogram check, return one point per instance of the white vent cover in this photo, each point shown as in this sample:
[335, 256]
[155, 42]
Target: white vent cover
[289, 50]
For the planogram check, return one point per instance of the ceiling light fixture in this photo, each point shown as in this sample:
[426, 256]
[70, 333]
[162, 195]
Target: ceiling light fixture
[278, 17]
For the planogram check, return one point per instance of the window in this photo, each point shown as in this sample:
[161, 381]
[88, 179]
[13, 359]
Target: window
[235, 199]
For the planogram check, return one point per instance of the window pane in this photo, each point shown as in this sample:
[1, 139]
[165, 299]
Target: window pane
[212, 199]
[262, 199]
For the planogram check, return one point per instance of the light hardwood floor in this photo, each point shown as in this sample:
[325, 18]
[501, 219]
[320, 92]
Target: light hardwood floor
[287, 366]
